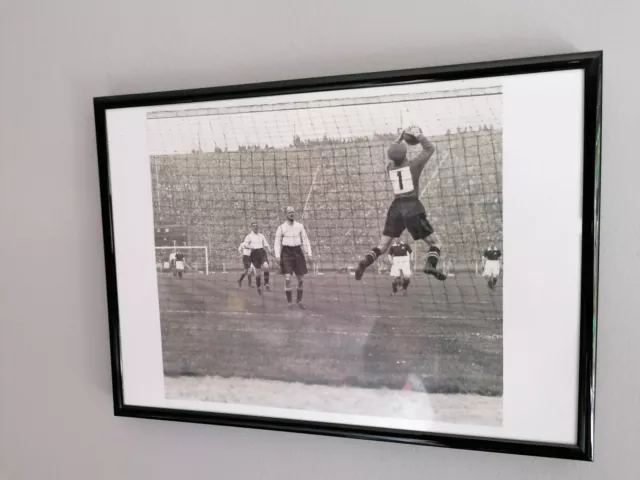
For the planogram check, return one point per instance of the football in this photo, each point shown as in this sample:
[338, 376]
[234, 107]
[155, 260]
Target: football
[410, 133]
[410, 139]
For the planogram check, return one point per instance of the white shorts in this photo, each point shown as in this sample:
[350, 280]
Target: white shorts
[401, 265]
[179, 265]
[491, 268]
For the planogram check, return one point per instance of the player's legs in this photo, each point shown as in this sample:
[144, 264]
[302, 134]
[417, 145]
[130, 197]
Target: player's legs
[246, 263]
[420, 228]
[287, 288]
[398, 265]
[415, 219]
[259, 280]
[286, 268]
[406, 279]
[433, 240]
[393, 228]
[256, 263]
[395, 281]
[491, 272]
[265, 268]
[431, 264]
[371, 256]
[299, 267]
[299, 290]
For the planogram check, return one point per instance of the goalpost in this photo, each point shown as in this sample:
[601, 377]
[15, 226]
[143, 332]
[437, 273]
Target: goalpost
[196, 258]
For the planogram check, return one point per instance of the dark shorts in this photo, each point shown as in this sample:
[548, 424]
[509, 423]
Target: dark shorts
[292, 261]
[258, 257]
[246, 261]
[407, 213]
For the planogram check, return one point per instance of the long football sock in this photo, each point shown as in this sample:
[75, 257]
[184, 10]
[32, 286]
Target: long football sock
[433, 256]
[242, 278]
[299, 291]
[258, 281]
[405, 283]
[371, 257]
[289, 295]
[394, 286]
[266, 278]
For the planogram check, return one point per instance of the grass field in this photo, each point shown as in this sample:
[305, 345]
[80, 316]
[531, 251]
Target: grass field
[449, 335]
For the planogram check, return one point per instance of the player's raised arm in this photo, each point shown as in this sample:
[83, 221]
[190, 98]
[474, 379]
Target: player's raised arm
[418, 163]
[305, 241]
[277, 244]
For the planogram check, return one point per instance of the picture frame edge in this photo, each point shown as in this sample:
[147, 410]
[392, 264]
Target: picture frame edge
[590, 61]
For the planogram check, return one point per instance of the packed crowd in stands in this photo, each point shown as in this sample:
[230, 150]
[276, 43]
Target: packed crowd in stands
[340, 191]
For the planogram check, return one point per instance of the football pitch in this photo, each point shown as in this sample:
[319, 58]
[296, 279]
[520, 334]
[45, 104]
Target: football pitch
[351, 334]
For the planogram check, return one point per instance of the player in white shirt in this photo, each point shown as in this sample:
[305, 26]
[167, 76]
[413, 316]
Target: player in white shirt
[249, 270]
[257, 243]
[290, 247]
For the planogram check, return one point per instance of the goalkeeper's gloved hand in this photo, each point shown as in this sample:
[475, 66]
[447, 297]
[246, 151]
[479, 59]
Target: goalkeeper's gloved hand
[413, 130]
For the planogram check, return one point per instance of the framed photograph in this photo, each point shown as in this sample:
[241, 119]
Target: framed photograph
[406, 256]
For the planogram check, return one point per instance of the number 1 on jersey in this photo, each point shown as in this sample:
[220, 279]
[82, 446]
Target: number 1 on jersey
[401, 180]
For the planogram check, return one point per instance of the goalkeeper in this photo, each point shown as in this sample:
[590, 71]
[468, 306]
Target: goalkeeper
[406, 210]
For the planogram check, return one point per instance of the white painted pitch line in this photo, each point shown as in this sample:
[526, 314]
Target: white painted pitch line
[285, 314]
[414, 334]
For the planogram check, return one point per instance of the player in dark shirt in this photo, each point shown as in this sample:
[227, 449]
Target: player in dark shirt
[492, 254]
[400, 249]
[406, 210]
[491, 265]
[179, 263]
[400, 257]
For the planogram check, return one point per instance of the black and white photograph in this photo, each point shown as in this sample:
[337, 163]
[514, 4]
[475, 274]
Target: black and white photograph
[402, 256]
[334, 253]
[337, 252]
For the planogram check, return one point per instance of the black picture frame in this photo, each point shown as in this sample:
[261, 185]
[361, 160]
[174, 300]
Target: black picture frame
[590, 62]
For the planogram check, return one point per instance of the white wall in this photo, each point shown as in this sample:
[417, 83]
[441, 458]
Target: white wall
[55, 404]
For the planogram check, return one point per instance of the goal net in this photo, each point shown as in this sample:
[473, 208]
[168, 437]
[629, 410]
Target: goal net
[215, 170]
[196, 259]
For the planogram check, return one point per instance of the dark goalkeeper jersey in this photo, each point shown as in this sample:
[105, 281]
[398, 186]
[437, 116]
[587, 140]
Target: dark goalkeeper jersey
[179, 257]
[400, 250]
[492, 254]
[405, 177]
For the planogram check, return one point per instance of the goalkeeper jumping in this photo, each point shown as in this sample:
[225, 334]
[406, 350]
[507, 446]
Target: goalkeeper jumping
[406, 210]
